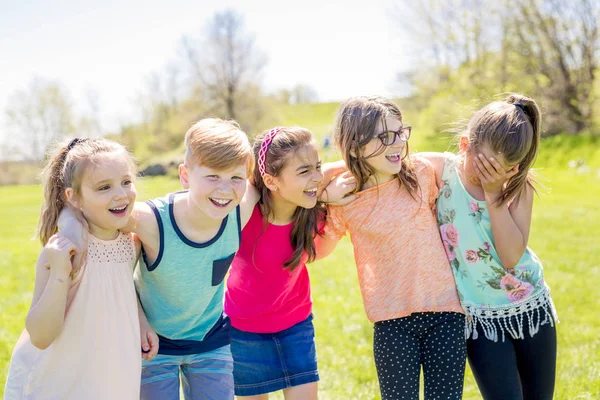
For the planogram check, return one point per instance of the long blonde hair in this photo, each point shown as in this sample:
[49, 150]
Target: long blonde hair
[510, 127]
[64, 170]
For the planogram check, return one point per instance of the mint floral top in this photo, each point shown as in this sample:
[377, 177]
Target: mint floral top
[486, 289]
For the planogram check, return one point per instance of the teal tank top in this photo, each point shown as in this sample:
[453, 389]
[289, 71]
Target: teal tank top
[486, 289]
[182, 291]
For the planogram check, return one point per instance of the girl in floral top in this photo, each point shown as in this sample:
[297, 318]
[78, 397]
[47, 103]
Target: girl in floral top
[484, 215]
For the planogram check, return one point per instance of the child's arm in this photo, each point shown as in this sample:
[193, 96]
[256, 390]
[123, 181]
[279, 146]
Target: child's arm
[47, 313]
[142, 222]
[149, 338]
[339, 192]
[251, 197]
[438, 161]
[145, 226]
[324, 245]
[75, 229]
[330, 170]
[510, 224]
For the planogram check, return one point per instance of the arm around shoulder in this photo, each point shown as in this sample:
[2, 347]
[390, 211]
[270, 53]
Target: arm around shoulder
[331, 233]
[251, 197]
[324, 245]
[438, 160]
[144, 224]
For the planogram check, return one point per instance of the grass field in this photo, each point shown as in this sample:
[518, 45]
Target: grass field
[565, 234]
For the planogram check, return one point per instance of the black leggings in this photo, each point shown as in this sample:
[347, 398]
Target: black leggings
[435, 340]
[515, 369]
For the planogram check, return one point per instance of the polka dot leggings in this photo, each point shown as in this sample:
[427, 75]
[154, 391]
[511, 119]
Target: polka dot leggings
[435, 340]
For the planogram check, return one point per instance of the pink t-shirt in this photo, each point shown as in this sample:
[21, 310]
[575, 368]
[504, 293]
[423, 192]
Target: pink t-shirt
[262, 296]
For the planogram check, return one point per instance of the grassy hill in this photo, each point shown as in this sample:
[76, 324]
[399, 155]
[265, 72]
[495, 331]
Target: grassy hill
[564, 234]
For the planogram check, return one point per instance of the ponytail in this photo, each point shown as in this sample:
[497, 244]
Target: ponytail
[54, 194]
[525, 176]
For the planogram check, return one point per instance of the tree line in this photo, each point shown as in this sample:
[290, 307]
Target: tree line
[465, 51]
[473, 49]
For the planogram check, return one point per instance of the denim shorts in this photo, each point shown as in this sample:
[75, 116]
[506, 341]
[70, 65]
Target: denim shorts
[203, 376]
[267, 362]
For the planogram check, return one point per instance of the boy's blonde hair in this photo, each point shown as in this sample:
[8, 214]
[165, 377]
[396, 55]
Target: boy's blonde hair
[217, 144]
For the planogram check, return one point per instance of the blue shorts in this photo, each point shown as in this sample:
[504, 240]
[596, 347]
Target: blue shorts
[203, 376]
[267, 362]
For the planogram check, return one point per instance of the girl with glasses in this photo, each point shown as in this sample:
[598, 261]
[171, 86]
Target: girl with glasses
[406, 281]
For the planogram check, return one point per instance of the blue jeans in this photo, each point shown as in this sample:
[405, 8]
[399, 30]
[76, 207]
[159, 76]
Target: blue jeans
[206, 376]
[267, 362]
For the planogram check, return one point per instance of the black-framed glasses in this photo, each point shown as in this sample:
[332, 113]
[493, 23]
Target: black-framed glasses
[389, 137]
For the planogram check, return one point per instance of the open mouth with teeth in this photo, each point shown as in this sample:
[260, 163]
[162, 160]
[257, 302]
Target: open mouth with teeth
[311, 192]
[394, 157]
[119, 211]
[221, 203]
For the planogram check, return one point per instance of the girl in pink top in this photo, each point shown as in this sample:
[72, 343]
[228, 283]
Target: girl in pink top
[82, 336]
[268, 290]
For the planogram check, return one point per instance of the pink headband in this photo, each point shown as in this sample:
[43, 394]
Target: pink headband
[264, 147]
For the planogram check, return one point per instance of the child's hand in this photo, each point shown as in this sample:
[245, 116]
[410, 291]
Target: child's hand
[73, 226]
[492, 175]
[149, 342]
[339, 190]
[59, 251]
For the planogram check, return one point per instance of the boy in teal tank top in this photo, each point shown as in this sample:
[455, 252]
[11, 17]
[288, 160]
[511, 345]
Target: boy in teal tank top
[189, 239]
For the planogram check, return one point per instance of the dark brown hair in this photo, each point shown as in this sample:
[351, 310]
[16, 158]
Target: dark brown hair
[512, 128]
[355, 126]
[284, 145]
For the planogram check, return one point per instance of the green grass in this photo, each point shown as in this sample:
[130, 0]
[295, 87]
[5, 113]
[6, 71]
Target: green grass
[565, 235]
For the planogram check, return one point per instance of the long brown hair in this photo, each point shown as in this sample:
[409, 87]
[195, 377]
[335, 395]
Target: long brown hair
[64, 170]
[512, 128]
[355, 126]
[283, 146]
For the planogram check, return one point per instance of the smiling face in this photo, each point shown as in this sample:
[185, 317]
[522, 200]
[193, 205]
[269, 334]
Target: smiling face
[107, 194]
[214, 192]
[297, 182]
[385, 160]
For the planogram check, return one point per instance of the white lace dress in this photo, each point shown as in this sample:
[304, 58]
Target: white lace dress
[97, 355]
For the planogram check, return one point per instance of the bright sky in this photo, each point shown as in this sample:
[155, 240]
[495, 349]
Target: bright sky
[340, 48]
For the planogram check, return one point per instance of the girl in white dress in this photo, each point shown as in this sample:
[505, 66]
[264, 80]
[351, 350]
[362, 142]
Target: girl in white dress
[82, 333]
